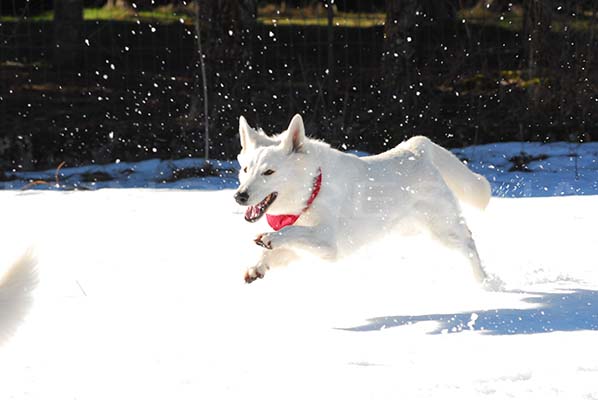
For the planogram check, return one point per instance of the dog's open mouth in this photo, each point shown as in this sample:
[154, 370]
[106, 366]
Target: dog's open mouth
[255, 212]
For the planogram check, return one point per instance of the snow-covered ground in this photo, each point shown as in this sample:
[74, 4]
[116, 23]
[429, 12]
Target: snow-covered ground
[141, 296]
[516, 169]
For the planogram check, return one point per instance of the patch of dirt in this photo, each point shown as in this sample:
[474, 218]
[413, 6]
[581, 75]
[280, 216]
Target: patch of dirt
[522, 160]
[197, 172]
[96, 176]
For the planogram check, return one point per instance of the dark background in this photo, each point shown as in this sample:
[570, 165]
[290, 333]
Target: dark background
[123, 80]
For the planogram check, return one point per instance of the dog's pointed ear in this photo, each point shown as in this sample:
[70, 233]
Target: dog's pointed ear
[295, 136]
[246, 134]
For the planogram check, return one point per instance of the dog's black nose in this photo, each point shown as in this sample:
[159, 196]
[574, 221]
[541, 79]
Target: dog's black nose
[241, 197]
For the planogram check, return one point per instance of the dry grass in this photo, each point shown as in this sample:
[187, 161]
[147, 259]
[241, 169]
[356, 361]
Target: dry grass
[38, 182]
[317, 16]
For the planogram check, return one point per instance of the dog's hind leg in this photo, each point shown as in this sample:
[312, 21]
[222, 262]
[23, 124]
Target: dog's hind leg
[460, 239]
[451, 230]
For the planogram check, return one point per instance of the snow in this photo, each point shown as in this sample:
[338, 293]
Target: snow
[141, 295]
[153, 173]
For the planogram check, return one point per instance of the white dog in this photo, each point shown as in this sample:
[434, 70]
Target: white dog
[329, 203]
[15, 294]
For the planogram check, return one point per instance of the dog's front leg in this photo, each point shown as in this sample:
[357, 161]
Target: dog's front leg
[269, 259]
[316, 239]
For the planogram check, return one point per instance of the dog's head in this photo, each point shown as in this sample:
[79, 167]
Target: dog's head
[275, 174]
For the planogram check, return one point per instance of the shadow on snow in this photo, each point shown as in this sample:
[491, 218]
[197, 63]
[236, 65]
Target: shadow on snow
[573, 310]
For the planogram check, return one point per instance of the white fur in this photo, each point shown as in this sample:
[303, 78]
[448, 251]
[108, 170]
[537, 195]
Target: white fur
[417, 183]
[15, 294]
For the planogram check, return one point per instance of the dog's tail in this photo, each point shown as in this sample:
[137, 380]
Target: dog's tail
[16, 286]
[469, 187]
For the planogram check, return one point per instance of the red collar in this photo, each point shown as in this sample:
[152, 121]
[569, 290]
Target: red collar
[277, 222]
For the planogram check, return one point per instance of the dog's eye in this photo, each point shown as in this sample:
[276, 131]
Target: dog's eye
[245, 169]
[268, 172]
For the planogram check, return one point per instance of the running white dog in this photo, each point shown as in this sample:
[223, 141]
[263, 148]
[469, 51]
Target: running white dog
[329, 203]
[15, 294]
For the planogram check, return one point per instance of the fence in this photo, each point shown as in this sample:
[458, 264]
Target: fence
[135, 90]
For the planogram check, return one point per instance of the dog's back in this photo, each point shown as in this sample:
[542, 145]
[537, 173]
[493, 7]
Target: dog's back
[466, 185]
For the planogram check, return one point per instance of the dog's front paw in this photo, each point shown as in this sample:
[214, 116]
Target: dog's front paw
[264, 240]
[254, 273]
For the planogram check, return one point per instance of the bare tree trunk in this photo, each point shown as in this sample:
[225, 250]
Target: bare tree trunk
[399, 30]
[228, 24]
[403, 19]
[330, 32]
[68, 26]
[204, 86]
[536, 42]
[536, 28]
[224, 68]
